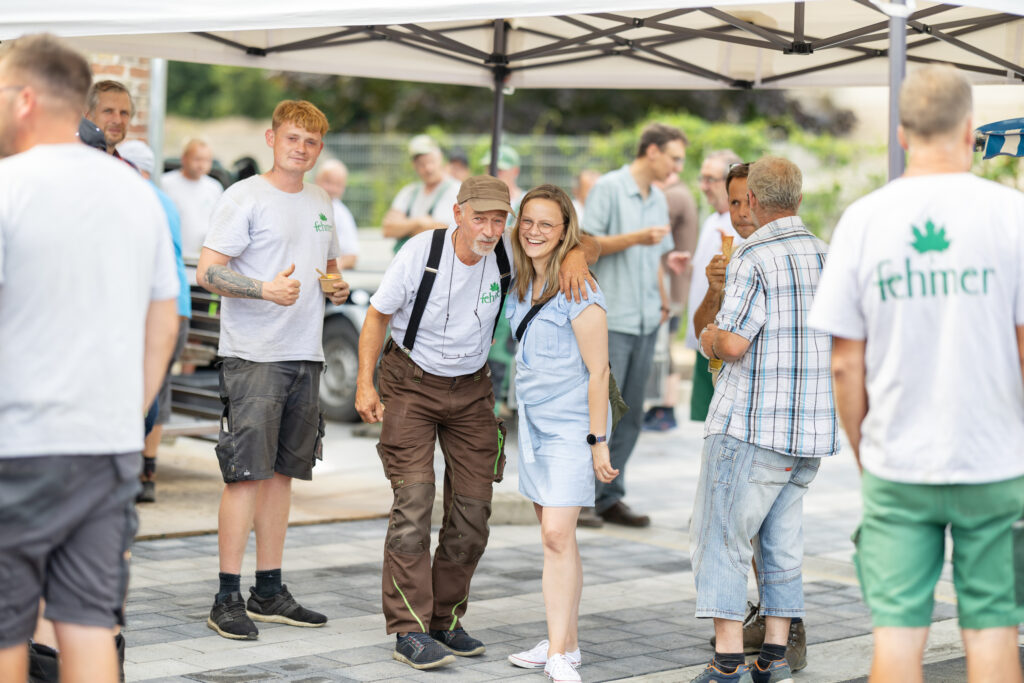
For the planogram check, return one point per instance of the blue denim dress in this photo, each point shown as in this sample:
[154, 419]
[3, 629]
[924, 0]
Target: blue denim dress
[555, 464]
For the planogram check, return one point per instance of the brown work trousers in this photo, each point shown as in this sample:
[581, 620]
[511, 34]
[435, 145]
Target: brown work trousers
[460, 412]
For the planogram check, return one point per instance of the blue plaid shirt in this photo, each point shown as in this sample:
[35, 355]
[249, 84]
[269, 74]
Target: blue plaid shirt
[779, 394]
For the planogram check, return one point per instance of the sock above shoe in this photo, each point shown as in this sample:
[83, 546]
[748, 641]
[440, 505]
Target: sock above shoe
[770, 653]
[268, 582]
[728, 662]
[229, 583]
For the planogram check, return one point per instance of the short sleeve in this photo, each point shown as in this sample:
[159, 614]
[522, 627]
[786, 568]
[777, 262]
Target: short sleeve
[229, 227]
[401, 202]
[597, 210]
[394, 286]
[744, 309]
[595, 297]
[837, 306]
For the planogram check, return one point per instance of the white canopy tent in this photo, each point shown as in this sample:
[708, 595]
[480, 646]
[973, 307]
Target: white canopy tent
[651, 44]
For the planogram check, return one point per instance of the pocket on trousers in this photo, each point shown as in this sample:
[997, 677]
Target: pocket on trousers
[318, 447]
[771, 469]
[225, 447]
[383, 461]
[725, 459]
[499, 461]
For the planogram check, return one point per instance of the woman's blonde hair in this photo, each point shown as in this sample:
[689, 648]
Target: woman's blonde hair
[570, 239]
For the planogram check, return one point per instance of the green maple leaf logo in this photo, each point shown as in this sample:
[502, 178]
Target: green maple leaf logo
[323, 217]
[494, 287]
[930, 240]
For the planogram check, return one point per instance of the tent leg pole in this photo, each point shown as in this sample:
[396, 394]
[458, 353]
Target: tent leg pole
[157, 114]
[897, 69]
[499, 59]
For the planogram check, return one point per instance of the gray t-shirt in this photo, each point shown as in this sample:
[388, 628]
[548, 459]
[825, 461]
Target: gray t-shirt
[264, 230]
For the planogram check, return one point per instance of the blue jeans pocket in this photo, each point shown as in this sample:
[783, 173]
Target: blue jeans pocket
[725, 461]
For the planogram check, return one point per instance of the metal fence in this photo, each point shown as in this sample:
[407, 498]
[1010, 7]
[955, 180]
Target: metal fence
[379, 164]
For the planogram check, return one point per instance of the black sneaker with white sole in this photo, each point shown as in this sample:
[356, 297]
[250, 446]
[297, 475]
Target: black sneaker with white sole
[228, 618]
[281, 608]
[420, 651]
[459, 642]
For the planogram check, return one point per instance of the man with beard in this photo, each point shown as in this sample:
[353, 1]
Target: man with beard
[111, 108]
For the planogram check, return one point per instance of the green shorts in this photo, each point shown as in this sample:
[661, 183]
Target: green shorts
[901, 544]
[703, 390]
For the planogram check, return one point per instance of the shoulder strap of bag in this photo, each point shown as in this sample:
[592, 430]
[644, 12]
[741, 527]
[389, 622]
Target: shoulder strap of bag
[426, 284]
[505, 269]
[521, 330]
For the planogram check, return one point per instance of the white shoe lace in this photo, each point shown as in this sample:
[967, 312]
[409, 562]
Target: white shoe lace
[559, 670]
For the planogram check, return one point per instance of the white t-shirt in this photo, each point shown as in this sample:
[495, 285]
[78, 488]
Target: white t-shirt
[930, 271]
[345, 226]
[264, 230]
[708, 244]
[195, 200]
[84, 249]
[413, 201]
[458, 322]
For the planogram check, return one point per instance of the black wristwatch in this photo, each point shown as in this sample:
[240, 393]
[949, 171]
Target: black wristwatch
[591, 439]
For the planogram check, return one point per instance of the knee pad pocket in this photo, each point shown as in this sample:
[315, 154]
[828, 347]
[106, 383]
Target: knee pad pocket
[465, 538]
[409, 526]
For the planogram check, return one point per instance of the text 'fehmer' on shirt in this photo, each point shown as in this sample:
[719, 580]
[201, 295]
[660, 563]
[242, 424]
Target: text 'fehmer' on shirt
[458, 322]
[629, 278]
[84, 249]
[264, 230]
[930, 271]
[778, 395]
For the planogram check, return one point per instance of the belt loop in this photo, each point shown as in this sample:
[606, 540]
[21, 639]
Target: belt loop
[417, 373]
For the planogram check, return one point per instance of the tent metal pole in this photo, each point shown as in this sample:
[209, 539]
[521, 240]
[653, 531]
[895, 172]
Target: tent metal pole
[500, 70]
[157, 114]
[897, 69]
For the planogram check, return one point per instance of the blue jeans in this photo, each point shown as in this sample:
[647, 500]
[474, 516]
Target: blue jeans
[630, 356]
[744, 492]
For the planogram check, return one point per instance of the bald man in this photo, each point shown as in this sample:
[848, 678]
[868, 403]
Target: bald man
[194, 193]
[333, 178]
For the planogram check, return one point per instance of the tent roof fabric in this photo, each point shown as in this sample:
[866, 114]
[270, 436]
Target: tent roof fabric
[557, 43]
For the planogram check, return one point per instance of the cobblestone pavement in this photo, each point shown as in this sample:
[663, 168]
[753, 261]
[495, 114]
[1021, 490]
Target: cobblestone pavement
[636, 613]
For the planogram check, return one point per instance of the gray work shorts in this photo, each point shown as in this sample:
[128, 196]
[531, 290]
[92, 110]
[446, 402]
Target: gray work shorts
[163, 409]
[66, 525]
[271, 421]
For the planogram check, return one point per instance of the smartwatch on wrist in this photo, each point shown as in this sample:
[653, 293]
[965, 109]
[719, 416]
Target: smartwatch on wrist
[591, 439]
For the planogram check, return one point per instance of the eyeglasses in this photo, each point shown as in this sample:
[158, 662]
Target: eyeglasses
[12, 87]
[545, 227]
[742, 164]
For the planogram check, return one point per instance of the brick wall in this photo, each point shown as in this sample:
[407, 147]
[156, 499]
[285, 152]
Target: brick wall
[133, 72]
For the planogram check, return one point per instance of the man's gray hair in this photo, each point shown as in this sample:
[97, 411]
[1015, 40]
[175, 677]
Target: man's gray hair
[935, 100]
[776, 182]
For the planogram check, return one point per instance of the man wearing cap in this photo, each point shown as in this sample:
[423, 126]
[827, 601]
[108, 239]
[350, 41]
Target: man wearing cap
[434, 381]
[139, 154]
[424, 205]
[508, 172]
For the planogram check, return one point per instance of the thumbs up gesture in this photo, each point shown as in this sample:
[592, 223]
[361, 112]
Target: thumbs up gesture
[282, 290]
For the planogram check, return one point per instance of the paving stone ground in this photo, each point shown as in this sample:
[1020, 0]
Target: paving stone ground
[636, 614]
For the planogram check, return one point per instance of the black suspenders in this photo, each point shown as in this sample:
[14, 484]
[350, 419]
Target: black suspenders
[430, 274]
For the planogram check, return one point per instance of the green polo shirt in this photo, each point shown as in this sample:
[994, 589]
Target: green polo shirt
[629, 279]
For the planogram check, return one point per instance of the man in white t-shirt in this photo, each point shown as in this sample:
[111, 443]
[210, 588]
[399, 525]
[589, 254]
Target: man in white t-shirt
[333, 177]
[195, 194]
[425, 205]
[88, 318]
[268, 236]
[923, 293]
[436, 386]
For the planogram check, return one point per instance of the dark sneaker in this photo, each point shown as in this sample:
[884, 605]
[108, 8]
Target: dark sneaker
[282, 609]
[753, 631]
[228, 618]
[420, 651]
[620, 513]
[713, 674]
[796, 648]
[459, 642]
[777, 672]
[589, 518]
[148, 493]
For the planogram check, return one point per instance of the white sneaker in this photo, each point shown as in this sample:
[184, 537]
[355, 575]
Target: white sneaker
[537, 656]
[560, 670]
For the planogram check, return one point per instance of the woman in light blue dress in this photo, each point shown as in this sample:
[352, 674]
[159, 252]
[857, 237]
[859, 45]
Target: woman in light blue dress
[564, 417]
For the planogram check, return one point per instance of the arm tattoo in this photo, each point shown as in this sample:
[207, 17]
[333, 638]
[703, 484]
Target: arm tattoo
[230, 283]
